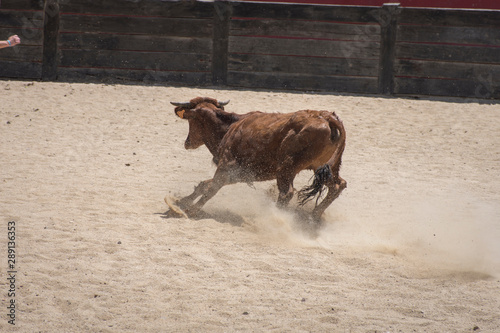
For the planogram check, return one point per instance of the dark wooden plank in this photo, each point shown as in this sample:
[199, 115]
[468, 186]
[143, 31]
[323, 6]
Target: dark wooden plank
[305, 29]
[135, 60]
[22, 4]
[303, 65]
[21, 19]
[450, 35]
[180, 27]
[94, 41]
[304, 12]
[50, 33]
[144, 76]
[319, 48]
[222, 10]
[193, 9]
[450, 17]
[453, 88]
[303, 82]
[446, 70]
[20, 70]
[22, 53]
[472, 54]
[387, 48]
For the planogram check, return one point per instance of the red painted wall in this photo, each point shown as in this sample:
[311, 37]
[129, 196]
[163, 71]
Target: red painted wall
[475, 4]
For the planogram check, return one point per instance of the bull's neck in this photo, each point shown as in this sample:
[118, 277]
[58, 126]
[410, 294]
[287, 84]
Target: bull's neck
[218, 129]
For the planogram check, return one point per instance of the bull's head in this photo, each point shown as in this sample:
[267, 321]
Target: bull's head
[201, 113]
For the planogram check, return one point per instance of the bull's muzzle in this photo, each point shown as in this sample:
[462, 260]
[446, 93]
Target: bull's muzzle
[188, 144]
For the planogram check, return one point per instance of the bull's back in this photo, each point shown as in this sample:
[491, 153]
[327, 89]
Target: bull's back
[255, 137]
[256, 143]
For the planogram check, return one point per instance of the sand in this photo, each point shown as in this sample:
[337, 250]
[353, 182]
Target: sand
[412, 244]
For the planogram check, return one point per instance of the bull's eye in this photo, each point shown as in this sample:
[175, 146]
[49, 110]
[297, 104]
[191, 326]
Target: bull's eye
[180, 113]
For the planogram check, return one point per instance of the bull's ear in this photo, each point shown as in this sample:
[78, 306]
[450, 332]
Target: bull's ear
[184, 113]
[180, 113]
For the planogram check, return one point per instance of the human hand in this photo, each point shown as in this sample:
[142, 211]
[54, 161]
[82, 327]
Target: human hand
[14, 40]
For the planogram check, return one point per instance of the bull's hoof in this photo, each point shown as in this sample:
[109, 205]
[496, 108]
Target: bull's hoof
[175, 210]
[316, 219]
[172, 214]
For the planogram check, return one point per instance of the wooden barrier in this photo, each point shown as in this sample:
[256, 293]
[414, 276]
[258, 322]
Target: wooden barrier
[24, 18]
[386, 50]
[448, 52]
[141, 41]
[304, 46]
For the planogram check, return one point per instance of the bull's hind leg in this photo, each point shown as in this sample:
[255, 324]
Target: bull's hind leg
[334, 190]
[323, 178]
[285, 187]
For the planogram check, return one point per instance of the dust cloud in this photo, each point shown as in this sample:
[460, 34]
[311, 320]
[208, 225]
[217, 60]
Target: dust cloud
[442, 230]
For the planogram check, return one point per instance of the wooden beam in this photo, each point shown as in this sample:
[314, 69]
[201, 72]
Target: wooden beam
[22, 4]
[364, 85]
[151, 26]
[148, 8]
[50, 35]
[388, 20]
[305, 47]
[451, 17]
[275, 64]
[304, 12]
[222, 15]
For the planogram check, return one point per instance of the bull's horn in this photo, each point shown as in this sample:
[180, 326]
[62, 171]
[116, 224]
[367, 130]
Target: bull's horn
[184, 105]
[223, 103]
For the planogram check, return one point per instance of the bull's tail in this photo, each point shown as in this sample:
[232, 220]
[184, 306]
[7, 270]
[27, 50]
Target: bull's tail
[321, 177]
[329, 172]
[339, 138]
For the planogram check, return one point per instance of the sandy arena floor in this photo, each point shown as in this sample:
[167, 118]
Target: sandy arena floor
[411, 245]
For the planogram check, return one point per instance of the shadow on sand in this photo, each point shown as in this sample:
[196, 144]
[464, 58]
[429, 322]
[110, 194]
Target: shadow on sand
[222, 216]
[300, 219]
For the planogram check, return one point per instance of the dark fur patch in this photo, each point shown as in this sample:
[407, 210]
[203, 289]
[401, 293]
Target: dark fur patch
[226, 117]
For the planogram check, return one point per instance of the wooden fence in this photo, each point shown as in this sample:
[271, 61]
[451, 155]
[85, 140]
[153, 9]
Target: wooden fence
[386, 50]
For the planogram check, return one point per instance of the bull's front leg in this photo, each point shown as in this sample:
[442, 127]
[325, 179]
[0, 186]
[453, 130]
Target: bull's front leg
[210, 189]
[198, 191]
[205, 191]
[179, 207]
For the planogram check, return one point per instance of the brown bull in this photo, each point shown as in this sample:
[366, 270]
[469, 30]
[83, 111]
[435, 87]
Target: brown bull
[261, 146]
